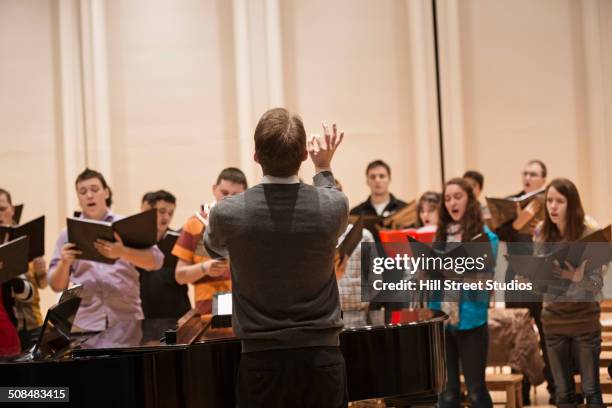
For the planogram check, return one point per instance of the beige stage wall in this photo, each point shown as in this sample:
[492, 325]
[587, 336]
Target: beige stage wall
[164, 94]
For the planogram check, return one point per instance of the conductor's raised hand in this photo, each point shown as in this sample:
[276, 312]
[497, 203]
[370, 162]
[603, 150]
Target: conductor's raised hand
[322, 149]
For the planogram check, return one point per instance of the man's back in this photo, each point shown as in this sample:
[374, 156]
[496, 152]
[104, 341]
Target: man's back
[281, 239]
[281, 236]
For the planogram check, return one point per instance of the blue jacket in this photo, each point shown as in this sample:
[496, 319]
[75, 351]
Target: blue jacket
[473, 305]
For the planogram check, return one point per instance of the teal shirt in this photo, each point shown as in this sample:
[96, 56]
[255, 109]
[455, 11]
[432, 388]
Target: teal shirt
[473, 305]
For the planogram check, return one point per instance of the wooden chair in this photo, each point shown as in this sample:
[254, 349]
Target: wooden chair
[512, 384]
[606, 306]
[605, 358]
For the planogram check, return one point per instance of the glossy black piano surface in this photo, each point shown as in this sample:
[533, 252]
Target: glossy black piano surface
[129, 365]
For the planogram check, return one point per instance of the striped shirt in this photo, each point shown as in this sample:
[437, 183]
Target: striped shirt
[189, 248]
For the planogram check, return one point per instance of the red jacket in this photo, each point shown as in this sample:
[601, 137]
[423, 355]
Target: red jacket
[9, 341]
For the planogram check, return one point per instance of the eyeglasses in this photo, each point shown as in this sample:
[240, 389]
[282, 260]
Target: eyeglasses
[530, 174]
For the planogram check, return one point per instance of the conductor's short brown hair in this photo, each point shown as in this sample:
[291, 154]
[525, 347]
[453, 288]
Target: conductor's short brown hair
[280, 142]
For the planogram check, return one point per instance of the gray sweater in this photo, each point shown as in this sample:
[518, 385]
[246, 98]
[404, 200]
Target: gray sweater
[281, 240]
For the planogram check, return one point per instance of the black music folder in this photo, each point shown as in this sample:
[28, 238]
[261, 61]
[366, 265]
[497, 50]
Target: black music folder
[539, 268]
[601, 235]
[13, 258]
[137, 231]
[17, 211]
[595, 249]
[352, 239]
[503, 210]
[166, 244]
[34, 229]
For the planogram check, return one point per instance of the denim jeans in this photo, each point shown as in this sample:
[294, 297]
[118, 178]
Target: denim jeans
[586, 348]
[466, 349]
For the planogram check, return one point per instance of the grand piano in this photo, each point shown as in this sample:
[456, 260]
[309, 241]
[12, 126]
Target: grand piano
[190, 363]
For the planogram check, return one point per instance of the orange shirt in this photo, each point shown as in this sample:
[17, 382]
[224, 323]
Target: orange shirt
[190, 249]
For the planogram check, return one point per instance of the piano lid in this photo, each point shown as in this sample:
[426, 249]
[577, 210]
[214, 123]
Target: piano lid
[55, 340]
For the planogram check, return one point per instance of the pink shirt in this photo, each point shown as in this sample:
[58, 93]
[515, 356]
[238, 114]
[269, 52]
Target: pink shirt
[111, 292]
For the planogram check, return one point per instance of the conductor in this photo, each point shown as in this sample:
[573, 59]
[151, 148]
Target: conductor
[280, 236]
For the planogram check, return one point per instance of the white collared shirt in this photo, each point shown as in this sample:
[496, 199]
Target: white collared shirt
[280, 180]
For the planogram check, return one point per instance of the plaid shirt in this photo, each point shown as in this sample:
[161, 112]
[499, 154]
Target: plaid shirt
[349, 285]
[27, 311]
